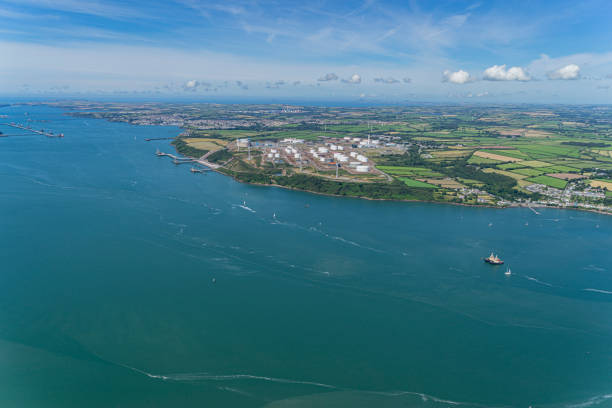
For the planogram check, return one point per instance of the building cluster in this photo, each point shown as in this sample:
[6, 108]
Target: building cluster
[326, 154]
[572, 196]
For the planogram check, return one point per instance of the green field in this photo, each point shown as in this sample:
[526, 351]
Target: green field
[409, 171]
[549, 181]
[560, 169]
[415, 183]
[510, 166]
[529, 172]
[535, 163]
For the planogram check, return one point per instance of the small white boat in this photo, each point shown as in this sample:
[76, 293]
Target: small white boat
[508, 272]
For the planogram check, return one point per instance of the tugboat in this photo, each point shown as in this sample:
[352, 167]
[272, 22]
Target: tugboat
[493, 259]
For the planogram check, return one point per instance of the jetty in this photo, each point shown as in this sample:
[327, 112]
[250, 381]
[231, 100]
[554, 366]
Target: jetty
[175, 159]
[149, 139]
[29, 129]
[534, 210]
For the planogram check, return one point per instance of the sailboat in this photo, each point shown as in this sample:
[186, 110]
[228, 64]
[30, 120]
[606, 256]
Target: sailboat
[508, 272]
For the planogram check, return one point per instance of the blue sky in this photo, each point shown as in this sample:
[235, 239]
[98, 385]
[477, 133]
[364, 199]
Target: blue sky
[380, 51]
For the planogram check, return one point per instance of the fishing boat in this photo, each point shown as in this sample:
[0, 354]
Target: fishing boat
[493, 259]
[508, 272]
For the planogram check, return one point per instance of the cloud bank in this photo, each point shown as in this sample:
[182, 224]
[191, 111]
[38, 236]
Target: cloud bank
[568, 72]
[499, 73]
[457, 77]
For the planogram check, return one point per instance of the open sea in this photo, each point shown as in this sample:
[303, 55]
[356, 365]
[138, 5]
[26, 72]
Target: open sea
[128, 281]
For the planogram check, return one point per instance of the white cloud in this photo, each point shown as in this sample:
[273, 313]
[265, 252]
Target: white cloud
[354, 79]
[191, 85]
[457, 77]
[328, 77]
[571, 71]
[499, 73]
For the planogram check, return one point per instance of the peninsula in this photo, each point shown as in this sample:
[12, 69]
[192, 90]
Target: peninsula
[503, 155]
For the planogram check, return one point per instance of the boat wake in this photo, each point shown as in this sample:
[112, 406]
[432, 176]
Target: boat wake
[204, 376]
[245, 207]
[538, 281]
[344, 240]
[591, 401]
[607, 292]
[593, 268]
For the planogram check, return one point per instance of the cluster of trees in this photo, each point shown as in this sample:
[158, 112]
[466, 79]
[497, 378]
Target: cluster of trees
[497, 184]
[587, 144]
[219, 156]
[394, 191]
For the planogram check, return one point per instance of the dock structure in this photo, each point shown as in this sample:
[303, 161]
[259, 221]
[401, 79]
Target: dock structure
[198, 170]
[149, 139]
[175, 159]
[29, 129]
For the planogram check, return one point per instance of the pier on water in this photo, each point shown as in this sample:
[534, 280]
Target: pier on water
[175, 159]
[29, 129]
[182, 160]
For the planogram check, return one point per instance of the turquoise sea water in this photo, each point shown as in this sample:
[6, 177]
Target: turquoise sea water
[107, 296]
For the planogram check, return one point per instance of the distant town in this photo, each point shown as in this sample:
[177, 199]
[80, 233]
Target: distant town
[498, 156]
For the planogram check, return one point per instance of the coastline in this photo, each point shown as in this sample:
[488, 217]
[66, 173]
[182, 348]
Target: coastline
[219, 169]
[216, 168]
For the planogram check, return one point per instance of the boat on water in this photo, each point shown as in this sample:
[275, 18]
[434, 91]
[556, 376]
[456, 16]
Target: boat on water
[508, 272]
[493, 259]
